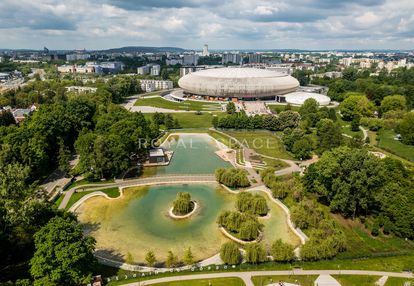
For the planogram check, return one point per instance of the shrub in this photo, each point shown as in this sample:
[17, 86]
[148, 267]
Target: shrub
[253, 204]
[282, 252]
[255, 253]
[230, 253]
[232, 177]
[182, 204]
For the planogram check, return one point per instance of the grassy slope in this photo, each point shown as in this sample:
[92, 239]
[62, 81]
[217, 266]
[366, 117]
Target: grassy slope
[303, 280]
[111, 192]
[356, 280]
[360, 243]
[192, 120]
[387, 142]
[262, 142]
[394, 281]
[205, 282]
[185, 105]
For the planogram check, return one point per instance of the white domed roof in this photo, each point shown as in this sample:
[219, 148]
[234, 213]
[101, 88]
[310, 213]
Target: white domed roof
[299, 98]
[238, 82]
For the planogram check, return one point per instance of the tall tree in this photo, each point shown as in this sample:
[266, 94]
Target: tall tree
[63, 255]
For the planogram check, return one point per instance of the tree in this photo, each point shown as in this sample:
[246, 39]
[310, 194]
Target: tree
[63, 255]
[309, 111]
[348, 179]
[188, 257]
[172, 260]
[6, 118]
[329, 135]
[393, 103]
[63, 157]
[406, 129]
[230, 253]
[355, 105]
[150, 258]
[182, 204]
[231, 107]
[255, 253]
[169, 121]
[302, 149]
[232, 177]
[282, 252]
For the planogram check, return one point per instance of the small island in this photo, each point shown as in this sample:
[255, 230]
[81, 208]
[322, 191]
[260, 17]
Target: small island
[183, 206]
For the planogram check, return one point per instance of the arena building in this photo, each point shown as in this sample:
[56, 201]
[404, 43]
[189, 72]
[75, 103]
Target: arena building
[298, 98]
[237, 83]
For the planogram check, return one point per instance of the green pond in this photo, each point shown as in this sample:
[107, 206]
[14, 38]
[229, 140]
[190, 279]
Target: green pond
[193, 154]
[138, 221]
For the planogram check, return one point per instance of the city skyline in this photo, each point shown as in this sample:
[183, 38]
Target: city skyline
[189, 24]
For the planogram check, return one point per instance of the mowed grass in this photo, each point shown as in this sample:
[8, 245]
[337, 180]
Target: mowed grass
[185, 105]
[346, 128]
[206, 282]
[193, 120]
[395, 281]
[263, 142]
[356, 280]
[111, 192]
[387, 142]
[303, 280]
[279, 107]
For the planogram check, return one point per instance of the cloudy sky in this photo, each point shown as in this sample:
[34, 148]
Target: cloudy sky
[223, 24]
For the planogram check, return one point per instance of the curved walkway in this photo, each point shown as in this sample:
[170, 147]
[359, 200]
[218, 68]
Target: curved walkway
[246, 276]
[156, 180]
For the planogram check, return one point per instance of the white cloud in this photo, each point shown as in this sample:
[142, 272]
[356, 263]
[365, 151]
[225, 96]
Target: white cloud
[232, 24]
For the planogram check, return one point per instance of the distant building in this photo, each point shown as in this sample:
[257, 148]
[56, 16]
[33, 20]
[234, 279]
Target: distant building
[155, 70]
[254, 58]
[191, 60]
[205, 53]
[152, 69]
[77, 57]
[233, 58]
[81, 89]
[112, 67]
[174, 61]
[149, 85]
[143, 70]
[1, 59]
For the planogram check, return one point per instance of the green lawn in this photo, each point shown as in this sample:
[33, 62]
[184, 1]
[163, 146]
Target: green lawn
[346, 128]
[394, 281]
[193, 120]
[356, 280]
[224, 139]
[387, 142]
[206, 282]
[277, 164]
[111, 192]
[185, 105]
[303, 280]
[263, 142]
[279, 108]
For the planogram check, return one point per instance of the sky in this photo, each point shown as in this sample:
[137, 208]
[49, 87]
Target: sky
[222, 24]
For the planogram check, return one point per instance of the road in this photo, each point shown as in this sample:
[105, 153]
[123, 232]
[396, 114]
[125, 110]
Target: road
[156, 180]
[246, 276]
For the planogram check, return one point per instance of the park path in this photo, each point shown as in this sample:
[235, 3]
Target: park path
[246, 276]
[156, 180]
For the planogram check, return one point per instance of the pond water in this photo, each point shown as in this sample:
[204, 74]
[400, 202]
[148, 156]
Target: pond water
[193, 154]
[138, 221]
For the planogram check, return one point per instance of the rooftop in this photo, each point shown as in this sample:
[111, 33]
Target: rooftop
[235, 72]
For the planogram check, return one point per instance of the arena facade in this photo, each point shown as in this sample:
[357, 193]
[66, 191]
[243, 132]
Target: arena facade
[237, 83]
